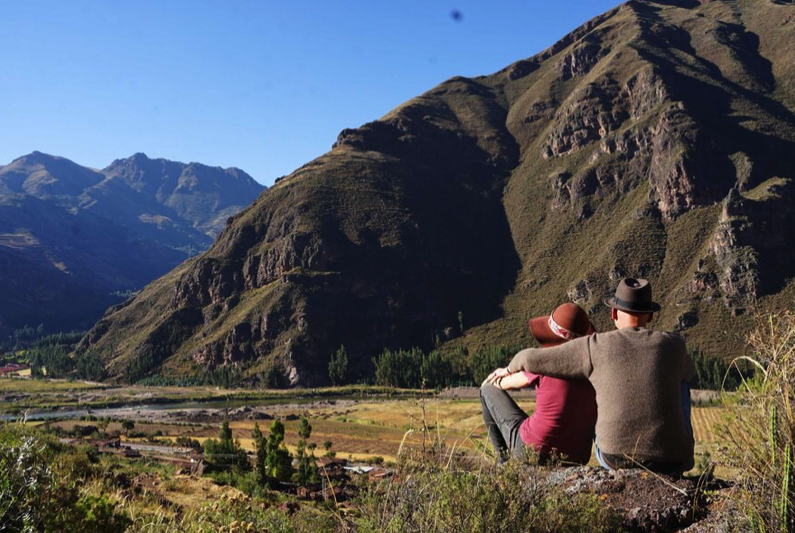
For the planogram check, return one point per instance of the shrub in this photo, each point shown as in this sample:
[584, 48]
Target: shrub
[187, 442]
[40, 484]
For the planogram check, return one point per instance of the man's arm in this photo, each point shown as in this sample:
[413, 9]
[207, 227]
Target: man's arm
[569, 360]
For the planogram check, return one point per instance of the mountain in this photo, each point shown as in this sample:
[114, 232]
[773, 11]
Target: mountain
[657, 140]
[71, 236]
[203, 196]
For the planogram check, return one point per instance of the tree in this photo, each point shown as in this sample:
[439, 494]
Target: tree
[483, 363]
[226, 451]
[90, 366]
[327, 446]
[226, 432]
[338, 366]
[127, 425]
[307, 469]
[400, 368]
[262, 455]
[436, 370]
[278, 462]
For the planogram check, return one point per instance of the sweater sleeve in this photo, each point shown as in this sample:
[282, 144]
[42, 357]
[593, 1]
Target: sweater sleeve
[569, 360]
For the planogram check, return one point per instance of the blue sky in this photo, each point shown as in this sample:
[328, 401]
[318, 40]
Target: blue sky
[262, 85]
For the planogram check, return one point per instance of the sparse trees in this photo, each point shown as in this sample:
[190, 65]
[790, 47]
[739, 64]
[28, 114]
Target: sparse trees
[225, 452]
[338, 366]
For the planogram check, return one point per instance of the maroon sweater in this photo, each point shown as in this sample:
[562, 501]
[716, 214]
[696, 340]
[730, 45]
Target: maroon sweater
[564, 418]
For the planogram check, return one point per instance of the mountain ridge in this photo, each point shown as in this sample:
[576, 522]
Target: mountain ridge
[83, 234]
[656, 140]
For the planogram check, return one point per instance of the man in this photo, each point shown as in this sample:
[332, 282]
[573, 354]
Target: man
[563, 421]
[640, 378]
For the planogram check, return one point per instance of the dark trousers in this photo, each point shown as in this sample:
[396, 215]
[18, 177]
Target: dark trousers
[503, 418]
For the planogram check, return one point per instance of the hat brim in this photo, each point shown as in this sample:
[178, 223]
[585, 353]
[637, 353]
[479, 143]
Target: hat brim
[542, 333]
[651, 307]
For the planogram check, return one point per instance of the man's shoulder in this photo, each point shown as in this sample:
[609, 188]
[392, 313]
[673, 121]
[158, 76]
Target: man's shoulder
[671, 337]
[645, 335]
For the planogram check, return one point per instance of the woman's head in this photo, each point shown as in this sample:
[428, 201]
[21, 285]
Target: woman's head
[567, 322]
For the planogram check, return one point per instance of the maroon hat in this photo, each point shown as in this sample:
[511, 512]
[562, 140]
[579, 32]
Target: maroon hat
[565, 323]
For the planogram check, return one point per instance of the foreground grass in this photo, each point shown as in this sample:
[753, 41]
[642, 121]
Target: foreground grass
[72, 489]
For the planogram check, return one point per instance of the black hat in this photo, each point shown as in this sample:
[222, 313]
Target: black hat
[634, 296]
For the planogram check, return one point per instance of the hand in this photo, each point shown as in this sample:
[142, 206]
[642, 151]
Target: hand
[517, 380]
[496, 376]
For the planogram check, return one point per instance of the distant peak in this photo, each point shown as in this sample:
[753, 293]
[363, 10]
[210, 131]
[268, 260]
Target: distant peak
[37, 157]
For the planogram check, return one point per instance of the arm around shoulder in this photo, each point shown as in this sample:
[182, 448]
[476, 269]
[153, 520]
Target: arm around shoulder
[569, 360]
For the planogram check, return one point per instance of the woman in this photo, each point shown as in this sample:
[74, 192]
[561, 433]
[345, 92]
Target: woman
[565, 416]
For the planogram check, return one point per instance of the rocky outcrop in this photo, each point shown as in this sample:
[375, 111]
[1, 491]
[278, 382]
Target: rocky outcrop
[587, 116]
[738, 275]
[651, 502]
[581, 59]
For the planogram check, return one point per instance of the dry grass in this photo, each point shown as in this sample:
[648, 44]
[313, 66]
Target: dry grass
[760, 433]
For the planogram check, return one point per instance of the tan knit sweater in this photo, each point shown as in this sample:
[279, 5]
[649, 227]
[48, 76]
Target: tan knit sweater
[637, 374]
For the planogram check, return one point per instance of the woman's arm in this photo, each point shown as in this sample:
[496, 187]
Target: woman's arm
[513, 381]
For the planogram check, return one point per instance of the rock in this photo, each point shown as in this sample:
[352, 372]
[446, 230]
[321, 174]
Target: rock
[649, 502]
[737, 276]
[581, 59]
[586, 117]
[580, 294]
[686, 320]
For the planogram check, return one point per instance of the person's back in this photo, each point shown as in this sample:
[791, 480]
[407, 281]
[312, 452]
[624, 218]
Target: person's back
[563, 419]
[637, 374]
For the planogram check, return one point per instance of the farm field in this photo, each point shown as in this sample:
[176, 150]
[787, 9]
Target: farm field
[358, 429]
